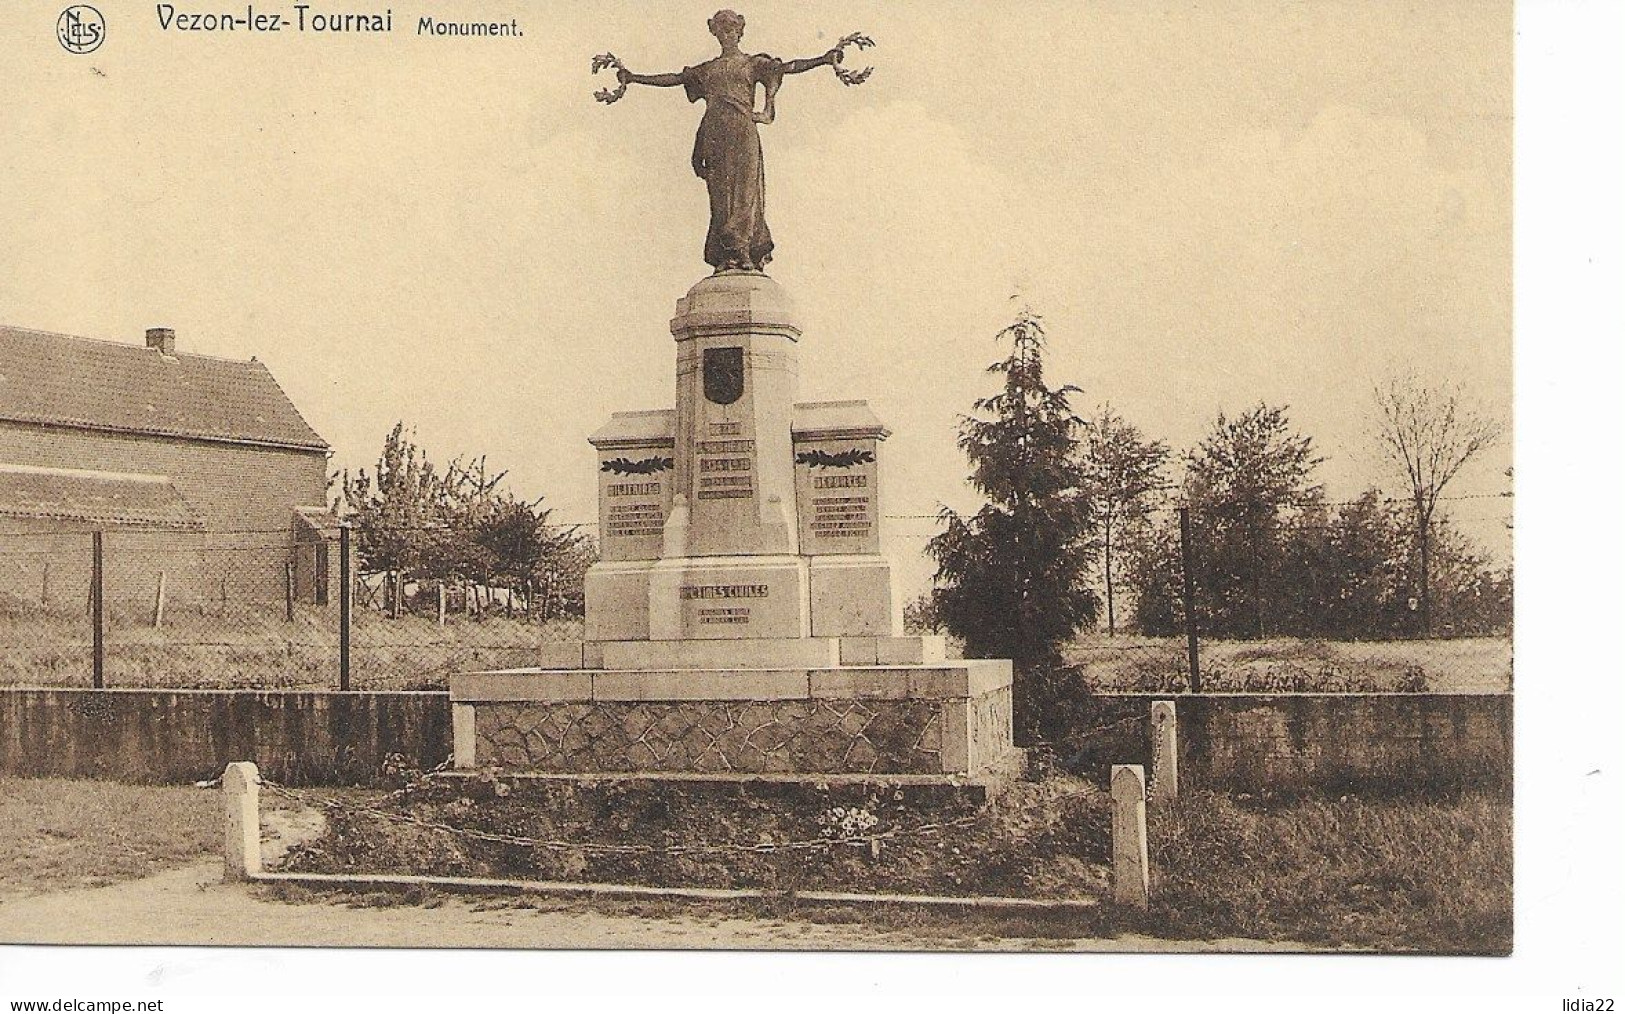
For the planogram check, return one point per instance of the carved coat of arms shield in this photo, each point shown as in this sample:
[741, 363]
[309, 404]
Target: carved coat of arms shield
[724, 375]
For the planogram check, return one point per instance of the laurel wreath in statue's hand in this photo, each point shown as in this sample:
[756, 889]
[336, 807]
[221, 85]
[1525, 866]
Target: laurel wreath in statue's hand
[851, 77]
[604, 61]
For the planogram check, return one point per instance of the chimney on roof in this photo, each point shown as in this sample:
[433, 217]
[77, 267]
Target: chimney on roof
[162, 339]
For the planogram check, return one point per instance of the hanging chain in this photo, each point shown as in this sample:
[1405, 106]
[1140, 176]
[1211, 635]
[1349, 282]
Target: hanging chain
[558, 844]
[869, 841]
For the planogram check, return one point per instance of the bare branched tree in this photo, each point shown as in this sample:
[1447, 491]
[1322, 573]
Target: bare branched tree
[1429, 434]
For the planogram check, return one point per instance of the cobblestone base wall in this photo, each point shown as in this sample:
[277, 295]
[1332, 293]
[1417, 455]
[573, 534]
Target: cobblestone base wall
[797, 736]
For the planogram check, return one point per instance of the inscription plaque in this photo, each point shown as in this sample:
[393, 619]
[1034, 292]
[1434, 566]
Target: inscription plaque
[836, 493]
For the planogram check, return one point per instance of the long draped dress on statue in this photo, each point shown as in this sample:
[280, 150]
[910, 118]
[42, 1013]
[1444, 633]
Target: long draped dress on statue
[728, 157]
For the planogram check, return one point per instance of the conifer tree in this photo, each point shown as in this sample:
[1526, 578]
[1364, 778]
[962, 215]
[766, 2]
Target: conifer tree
[1012, 579]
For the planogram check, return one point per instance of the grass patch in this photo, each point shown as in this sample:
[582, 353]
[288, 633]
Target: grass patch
[1158, 665]
[58, 833]
[258, 648]
[1408, 874]
[1427, 875]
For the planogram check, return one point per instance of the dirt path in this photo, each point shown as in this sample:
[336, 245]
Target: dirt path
[193, 905]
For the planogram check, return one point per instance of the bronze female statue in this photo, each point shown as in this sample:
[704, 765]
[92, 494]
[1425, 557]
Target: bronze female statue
[728, 149]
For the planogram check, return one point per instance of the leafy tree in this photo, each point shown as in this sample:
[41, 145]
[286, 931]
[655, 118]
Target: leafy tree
[1154, 569]
[1240, 482]
[526, 551]
[1471, 597]
[1428, 434]
[394, 510]
[1122, 471]
[1344, 570]
[414, 522]
[1012, 578]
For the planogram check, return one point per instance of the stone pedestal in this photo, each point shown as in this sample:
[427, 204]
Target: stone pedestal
[742, 617]
[740, 514]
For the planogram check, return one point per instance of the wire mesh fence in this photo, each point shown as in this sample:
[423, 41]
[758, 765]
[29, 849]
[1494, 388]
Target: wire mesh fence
[228, 610]
[1324, 596]
[1220, 599]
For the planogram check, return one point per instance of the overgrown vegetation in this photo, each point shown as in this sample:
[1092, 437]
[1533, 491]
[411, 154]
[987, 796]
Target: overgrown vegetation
[1047, 840]
[1425, 873]
[1400, 874]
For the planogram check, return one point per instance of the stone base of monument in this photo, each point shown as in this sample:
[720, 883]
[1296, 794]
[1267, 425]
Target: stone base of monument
[803, 707]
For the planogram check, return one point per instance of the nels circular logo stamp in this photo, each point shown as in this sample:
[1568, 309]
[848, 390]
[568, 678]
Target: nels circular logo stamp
[81, 29]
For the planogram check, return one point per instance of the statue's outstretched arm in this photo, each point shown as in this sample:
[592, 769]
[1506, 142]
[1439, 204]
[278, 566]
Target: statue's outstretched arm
[833, 59]
[657, 80]
[829, 59]
[605, 61]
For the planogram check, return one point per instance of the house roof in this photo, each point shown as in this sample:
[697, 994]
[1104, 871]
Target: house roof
[61, 380]
[70, 494]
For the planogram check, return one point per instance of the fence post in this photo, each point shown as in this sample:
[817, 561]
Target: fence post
[1193, 660]
[287, 590]
[240, 784]
[463, 735]
[158, 601]
[440, 603]
[98, 617]
[1131, 867]
[346, 597]
[1164, 752]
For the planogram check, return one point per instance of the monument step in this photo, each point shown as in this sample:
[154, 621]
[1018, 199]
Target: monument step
[939, 681]
[746, 653]
[813, 793]
[771, 652]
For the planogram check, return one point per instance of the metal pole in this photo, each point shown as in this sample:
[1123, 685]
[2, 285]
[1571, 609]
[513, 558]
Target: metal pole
[346, 594]
[287, 591]
[98, 620]
[1190, 599]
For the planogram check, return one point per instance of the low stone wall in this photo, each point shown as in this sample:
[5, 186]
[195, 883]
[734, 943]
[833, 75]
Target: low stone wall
[1300, 742]
[299, 738]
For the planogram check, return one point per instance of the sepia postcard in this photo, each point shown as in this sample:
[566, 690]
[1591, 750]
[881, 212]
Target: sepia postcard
[833, 477]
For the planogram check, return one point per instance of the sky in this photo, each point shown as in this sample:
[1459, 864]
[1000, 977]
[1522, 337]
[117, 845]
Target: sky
[1210, 206]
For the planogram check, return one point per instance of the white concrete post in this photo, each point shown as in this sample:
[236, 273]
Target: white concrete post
[1164, 752]
[1131, 867]
[241, 786]
[463, 736]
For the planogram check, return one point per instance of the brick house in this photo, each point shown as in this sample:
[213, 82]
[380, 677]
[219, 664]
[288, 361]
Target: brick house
[196, 467]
